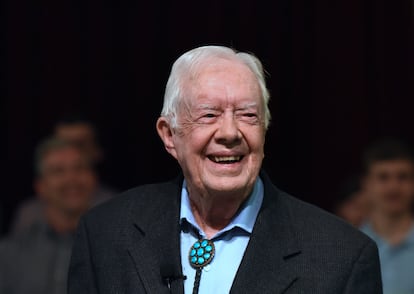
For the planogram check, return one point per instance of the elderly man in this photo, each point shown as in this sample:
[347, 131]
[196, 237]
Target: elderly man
[221, 227]
[36, 259]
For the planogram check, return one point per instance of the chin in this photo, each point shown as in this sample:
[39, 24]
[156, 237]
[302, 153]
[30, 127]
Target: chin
[228, 183]
[76, 210]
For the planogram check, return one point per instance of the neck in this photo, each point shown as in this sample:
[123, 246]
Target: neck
[393, 228]
[214, 212]
[61, 222]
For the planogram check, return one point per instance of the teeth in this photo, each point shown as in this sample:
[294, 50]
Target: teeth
[226, 158]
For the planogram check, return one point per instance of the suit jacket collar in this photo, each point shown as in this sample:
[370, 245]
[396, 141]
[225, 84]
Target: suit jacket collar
[268, 262]
[270, 253]
[153, 236]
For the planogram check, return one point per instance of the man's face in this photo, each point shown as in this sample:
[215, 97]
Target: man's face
[390, 186]
[81, 135]
[220, 139]
[67, 181]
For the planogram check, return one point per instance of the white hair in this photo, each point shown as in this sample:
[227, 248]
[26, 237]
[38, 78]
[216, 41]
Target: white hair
[188, 65]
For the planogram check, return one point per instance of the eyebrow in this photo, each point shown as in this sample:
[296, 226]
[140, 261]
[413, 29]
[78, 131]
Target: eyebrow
[212, 107]
[206, 107]
[248, 105]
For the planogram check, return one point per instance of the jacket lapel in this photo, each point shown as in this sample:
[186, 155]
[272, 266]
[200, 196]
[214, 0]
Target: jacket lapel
[268, 264]
[153, 238]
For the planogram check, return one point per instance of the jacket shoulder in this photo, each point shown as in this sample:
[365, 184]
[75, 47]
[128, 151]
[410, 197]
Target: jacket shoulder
[317, 226]
[144, 199]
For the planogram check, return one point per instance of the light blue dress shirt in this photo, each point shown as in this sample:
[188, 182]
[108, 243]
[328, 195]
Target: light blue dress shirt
[397, 262]
[230, 243]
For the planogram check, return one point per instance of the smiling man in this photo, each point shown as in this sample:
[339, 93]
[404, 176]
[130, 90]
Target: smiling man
[36, 259]
[389, 186]
[222, 226]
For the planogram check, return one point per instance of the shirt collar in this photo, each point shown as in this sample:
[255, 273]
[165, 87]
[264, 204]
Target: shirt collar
[244, 219]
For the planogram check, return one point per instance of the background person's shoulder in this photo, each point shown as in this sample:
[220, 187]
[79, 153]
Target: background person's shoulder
[319, 228]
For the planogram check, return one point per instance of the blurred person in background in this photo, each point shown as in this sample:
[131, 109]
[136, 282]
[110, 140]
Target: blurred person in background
[389, 184]
[36, 259]
[81, 133]
[353, 204]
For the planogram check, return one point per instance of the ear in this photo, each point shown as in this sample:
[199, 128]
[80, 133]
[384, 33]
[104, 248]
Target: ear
[364, 183]
[166, 134]
[366, 186]
[39, 188]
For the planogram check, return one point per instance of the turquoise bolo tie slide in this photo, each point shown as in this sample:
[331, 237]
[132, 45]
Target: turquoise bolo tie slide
[201, 253]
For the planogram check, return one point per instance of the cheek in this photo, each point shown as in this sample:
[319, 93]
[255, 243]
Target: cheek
[193, 142]
[187, 152]
[255, 141]
[50, 190]
[87, 179]
[371, 189]
[408, 189]
[378, 186]
[53, 182]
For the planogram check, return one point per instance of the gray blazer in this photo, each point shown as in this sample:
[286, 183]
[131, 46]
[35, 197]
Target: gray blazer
[132, 245]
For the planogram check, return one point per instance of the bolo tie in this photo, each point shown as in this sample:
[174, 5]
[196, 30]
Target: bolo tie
[200, 255]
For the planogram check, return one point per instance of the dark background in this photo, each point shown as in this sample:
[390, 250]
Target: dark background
[340, 75]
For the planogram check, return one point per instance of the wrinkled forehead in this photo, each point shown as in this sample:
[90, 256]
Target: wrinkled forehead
[221, 79]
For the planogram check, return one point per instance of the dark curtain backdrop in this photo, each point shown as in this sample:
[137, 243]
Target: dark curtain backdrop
[340, 75]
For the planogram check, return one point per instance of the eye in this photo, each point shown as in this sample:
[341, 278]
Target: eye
[250, 117]
[208, 117]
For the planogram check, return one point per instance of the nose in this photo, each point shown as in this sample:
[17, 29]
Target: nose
[228, 132]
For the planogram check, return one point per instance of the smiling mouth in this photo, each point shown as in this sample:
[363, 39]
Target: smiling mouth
[225, 159]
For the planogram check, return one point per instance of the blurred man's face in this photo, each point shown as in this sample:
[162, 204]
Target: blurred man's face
[390, 186]
[81, 135]
[220, 138]
[67, 182]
